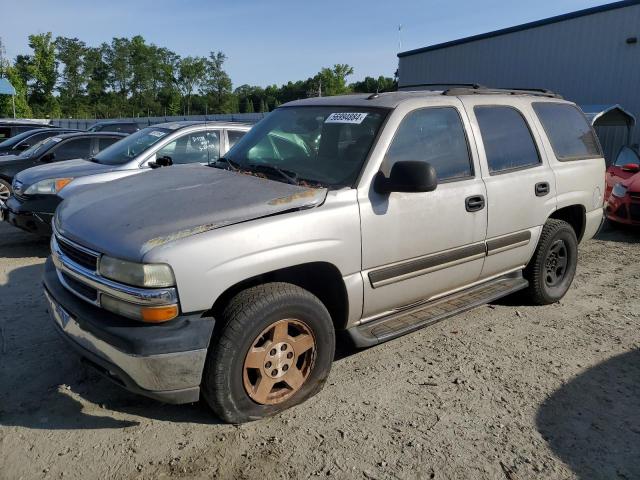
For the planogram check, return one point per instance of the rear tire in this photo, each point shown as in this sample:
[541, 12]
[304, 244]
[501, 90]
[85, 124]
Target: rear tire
[274, 350]
[553, 265]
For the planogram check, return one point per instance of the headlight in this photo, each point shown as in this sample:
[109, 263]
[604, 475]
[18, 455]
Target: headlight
[137, 274]
[50, 186]
[619, 190]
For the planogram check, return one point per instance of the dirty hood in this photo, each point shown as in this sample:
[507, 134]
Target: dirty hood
[126, 218]
[67, 168]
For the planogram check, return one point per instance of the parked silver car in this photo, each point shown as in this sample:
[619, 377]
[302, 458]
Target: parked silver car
[373, 214]
[39, 190]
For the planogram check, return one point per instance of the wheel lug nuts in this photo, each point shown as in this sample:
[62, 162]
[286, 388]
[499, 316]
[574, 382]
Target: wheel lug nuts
[283, 348]
[274, 372]
[290, 355]
[267, 365]
[285, 368]
[272, 352]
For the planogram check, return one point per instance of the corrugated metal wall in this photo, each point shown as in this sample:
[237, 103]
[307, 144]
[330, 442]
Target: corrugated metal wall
[585, 59]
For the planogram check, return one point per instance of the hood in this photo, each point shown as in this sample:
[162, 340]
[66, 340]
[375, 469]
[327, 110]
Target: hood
[10, 159]
[126, 218]
[67, 168]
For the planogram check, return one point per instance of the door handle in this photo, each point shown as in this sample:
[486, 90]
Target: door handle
[474, 203]
[542, 189]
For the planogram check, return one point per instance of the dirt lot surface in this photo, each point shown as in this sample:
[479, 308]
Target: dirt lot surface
[506, 391]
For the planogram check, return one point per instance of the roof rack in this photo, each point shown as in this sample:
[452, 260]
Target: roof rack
[445, 85]
[454, 89]
[539, 92]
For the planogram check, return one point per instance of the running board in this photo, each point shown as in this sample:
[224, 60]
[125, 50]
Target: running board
[417, 317]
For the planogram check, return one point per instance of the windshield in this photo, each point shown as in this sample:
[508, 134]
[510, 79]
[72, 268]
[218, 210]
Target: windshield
[324, 145]
[11, 142]
[129, 147]
[40, 147]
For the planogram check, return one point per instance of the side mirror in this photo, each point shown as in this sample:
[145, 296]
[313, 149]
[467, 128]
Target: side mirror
[161, 162]
[407, 176]
[48, 158]
[631, 167]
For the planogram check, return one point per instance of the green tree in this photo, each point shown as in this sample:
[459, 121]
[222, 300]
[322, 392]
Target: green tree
[248, 105]
[190, 73]
[39, 72]
[70, 53]
[217, 83]
[370, 85]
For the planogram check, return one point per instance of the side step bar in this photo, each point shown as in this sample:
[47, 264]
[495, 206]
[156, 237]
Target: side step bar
[417, 317]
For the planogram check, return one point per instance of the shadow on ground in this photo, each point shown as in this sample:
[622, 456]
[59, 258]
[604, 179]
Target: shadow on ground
[593, 422]
[612, 232]
[15, 243]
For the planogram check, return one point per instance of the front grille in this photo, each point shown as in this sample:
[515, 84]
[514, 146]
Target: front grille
[80, 288]
[621, 211]
[78, 256]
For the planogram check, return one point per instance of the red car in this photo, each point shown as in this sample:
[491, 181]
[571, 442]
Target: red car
[623, 188]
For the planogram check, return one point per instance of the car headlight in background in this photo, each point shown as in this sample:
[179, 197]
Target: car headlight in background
[50, 186]
[137, 274]
[619, 190]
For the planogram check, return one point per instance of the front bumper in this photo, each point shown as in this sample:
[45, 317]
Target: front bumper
[624, 210]
[32, 215]
[161, 361]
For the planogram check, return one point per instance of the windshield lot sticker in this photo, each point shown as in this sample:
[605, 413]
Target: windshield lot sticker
[346, 117]
[157, 133]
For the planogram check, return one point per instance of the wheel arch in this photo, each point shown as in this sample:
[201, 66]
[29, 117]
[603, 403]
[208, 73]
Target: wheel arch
[574, 215]
[322, 279]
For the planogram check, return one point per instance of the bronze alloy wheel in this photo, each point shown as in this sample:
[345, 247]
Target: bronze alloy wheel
[279, 361]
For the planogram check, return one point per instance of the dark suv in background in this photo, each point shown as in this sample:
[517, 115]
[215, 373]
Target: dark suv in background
[115, 126]
[10, 128]
[19, 143]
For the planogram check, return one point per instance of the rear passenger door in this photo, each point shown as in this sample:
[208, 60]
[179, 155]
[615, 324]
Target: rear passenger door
[520, 183]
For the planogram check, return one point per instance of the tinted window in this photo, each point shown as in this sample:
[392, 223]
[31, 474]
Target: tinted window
[200, 147]
[106, 142]
[569, 132]
[434, 135]
[234, 136]
[32, 139]
[507, 139]
[74, 148]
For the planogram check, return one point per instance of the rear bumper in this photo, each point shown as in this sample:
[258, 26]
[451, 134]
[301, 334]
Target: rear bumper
[32, 216]
[164, 362]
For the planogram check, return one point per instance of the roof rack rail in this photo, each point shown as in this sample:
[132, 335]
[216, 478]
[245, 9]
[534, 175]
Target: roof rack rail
[540, 92]
[445, 85]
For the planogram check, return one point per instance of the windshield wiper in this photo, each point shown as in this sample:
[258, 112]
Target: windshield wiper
[288, 175]
[230, 163]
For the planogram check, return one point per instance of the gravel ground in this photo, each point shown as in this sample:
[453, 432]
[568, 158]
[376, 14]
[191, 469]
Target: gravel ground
[506, 391]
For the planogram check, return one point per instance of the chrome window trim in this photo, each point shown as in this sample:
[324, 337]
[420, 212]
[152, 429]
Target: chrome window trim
[134, 295]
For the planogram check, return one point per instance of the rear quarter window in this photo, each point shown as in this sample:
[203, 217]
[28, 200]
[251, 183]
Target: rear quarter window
[571, 136]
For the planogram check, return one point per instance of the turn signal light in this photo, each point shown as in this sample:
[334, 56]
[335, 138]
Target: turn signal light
[159, 314]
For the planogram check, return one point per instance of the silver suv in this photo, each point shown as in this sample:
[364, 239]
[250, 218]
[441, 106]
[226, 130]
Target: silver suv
[372, 214]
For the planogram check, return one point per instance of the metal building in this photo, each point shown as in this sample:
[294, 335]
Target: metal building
[591, 57]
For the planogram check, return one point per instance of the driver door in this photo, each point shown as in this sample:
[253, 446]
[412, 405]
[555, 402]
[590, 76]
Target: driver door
[416, 246]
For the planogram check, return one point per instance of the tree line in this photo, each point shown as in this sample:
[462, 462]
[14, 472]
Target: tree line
[66, 78]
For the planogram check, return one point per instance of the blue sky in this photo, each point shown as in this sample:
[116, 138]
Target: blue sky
[275, 41]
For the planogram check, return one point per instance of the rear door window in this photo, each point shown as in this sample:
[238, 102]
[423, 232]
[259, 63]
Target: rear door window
[571, 136]
[233, 136]
[107, 142]
[508, 143]
[200, 147]
[74, 148]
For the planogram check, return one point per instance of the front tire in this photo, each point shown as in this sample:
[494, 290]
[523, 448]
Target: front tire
[553, 266]
[5, 190]
[274, 351]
